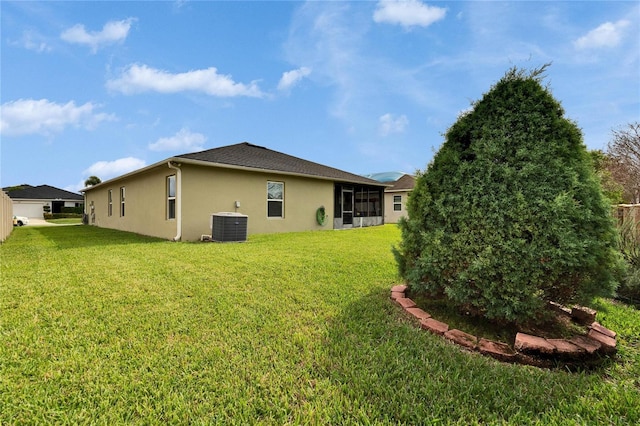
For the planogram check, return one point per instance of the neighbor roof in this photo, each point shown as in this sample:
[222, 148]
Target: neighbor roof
[251, 156]
[43, 192]
[405, 183]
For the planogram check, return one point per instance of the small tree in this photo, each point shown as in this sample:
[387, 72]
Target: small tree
[624, 150]
[604, 164]
[510, 215]
[92, 180]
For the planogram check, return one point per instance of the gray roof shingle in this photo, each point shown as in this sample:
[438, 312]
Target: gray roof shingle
[256, 157]
[405, 183]
[43, 192]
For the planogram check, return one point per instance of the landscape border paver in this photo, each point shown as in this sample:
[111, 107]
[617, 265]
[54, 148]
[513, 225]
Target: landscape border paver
[527, 348]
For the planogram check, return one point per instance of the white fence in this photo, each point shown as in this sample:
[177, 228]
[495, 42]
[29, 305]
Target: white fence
[6, 216]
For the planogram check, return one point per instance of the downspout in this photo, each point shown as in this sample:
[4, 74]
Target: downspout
[178, 200]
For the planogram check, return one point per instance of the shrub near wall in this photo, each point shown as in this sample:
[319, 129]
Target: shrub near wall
[510, 215]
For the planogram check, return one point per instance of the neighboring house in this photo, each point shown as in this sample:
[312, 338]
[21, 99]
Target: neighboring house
[395, 198]
[395, 195]
[176, 198]
[31, 201]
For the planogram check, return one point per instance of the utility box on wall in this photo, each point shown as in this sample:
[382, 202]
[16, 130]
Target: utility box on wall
[229, 226]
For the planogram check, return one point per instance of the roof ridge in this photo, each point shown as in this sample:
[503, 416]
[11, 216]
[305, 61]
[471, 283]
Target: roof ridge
[246, 154]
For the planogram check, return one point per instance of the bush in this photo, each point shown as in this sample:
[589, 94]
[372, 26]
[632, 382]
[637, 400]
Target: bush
[48, 216]
[510, 215]
[74, 210]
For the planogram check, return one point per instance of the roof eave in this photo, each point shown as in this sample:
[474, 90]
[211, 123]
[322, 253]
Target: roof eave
[280, 172]
[129, 174]
[179, 160]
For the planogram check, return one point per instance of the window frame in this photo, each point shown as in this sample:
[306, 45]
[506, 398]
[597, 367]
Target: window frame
[122, 201]
[367, 202]
[171, 199]
[271, 200]
[397, 203]
[110, 202]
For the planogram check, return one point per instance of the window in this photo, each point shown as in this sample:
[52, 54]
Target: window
[397, 203]
[110, 205]
[171, 197]
[122, 201]
[275, 199]
[368, 202]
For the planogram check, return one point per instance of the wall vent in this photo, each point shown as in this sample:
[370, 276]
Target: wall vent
[228, 226]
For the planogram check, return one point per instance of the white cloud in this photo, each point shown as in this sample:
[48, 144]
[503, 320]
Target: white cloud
[606, 35]
[183, 140]
[391, 124]
[109, 169]
[141, 78]
[31, 40]
[291, 78]
[407, 13]
[75, 188]
[179, 4]
[112, 32]
[30, 116]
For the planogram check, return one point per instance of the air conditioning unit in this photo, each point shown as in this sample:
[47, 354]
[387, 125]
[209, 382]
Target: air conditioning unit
[228, 226]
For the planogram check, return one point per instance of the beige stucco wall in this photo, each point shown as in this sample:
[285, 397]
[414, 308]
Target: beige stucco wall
[390, 215]
[145, 204]
[207, 190]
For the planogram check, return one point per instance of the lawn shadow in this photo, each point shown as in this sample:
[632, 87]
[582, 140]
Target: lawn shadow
[394, 371]
[65, 237]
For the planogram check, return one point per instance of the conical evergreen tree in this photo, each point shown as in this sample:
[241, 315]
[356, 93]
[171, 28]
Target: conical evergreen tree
[510, 214]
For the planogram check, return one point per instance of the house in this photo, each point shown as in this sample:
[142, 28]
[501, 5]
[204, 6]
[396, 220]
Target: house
[176, 198]
[396, 194]
[33, 201]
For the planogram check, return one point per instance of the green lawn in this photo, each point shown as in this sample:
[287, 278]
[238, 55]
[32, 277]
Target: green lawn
[100, 326]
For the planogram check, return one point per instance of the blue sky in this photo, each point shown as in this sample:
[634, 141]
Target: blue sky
[103, 88]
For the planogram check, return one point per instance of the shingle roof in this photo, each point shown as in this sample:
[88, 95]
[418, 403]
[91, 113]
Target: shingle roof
[256, 157]
[405, 183]
[43, 192]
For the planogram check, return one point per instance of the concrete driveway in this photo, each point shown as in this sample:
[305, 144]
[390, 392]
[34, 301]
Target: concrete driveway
[42, 222]
[39, 222]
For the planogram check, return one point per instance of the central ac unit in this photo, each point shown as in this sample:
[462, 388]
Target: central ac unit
[228, 226]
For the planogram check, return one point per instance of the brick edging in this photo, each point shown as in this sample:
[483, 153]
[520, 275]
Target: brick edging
[592, 347]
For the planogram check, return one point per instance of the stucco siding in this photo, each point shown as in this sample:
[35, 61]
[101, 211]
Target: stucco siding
[205, 191]
[145, 205]
[209, 190]
[391, 215]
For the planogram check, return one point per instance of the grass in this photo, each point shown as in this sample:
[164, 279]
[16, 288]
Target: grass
[100, 326]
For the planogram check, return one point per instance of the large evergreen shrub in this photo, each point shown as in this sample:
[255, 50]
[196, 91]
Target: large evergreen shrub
[510, 215]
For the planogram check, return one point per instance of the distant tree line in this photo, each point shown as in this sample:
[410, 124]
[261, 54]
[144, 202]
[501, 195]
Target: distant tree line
[91, 181]
[619, 166]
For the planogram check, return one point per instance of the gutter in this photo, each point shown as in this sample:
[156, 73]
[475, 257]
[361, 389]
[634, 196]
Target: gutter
[178, 200]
